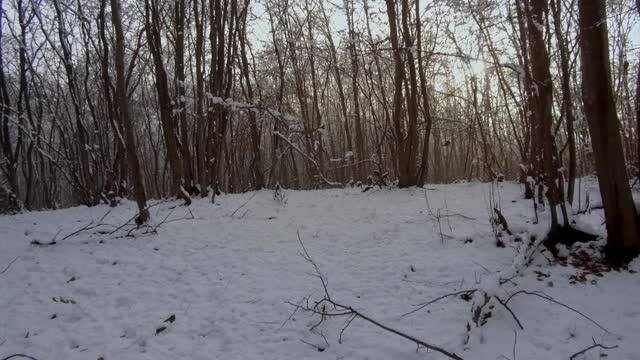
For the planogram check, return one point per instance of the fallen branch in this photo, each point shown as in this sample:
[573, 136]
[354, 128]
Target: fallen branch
[165, 221]
[18, 356]
[424, 305]
[502, 221]
[504, 304]
[550, 299]
[8, 266]
[154, 229]
[320, 308]
[515, 343]
[90, 226]
[136, 215]
[243, 205]
[317, 347]
[594, 346]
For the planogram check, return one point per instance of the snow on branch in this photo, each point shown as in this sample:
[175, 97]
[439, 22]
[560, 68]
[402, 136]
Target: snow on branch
[308, 158]
[233, 105]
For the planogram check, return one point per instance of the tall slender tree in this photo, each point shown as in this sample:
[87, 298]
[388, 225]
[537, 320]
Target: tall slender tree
[122, 101]
[153, 26]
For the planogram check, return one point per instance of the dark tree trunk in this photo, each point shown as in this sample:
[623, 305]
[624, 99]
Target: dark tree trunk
[426, 109]
[567, 99]
[152, 29]
[256, 162]
[180, 98]
[542, 102]
[621, 218]
[360, 137]
[638, 105]
[123, 107]
[9, 151]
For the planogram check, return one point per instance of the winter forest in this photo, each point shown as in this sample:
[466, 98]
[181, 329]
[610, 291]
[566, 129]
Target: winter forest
[319, 179]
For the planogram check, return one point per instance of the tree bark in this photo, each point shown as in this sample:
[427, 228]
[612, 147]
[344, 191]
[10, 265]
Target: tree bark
[623, 241]
[256, 162]
[567, 99]
[123, 107]
[542, 102]
[405, 141]
[361, 169]
[152, 29]
[180, 98]
[200, 101]
[638, 105]
[9, 151]
[426, 106]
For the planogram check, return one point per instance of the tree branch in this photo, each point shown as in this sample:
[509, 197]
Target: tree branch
[320, 308]
[595, 345]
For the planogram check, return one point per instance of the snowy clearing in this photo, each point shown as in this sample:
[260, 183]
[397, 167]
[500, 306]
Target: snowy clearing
[228, 274]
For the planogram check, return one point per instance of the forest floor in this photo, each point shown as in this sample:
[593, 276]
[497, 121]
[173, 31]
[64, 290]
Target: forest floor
[230, 272]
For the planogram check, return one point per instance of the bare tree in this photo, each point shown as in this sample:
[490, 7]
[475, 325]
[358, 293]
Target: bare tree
[623, 240]
[123, 109]
[153, 23]
[10, 147]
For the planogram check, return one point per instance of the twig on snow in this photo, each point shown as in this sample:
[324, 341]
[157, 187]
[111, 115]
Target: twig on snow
[90, 226]
[8, 266]
[595, 345]
[504, 304]
[19, 356]
[319, 348]
[550, 299]
[296, 307]
[243, 204]
[128, 222]
[347, 323]
[424, 305]
[320, 308]
[515, 343]
[502, 220]
[165, 221]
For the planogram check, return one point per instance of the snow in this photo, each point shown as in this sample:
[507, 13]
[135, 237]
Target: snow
[227, 276]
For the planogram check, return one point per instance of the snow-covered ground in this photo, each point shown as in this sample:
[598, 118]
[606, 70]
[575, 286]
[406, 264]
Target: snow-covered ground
[229, 274]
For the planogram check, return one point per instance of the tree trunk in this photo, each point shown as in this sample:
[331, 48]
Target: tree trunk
[410, 144]
[623, 242]
[338, 77]
[123, 107]
[542, 102]
[567, 100]
[360, 138]
[638, 105]
[531, 145]
[180, 98]
[152, 29]
[200, 102]
[10, 152]
[426, 109]
[405, 143]
[256, 162]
